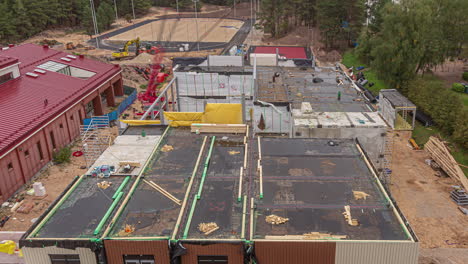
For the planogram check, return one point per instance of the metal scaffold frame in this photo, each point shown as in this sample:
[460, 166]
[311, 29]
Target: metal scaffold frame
[95, 138]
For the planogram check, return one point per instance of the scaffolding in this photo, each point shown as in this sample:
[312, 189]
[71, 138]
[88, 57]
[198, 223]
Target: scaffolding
[395, 109]
[387, 155]
[95, 138]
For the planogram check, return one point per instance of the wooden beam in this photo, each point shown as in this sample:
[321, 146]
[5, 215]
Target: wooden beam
[162, 191]
[219, 128]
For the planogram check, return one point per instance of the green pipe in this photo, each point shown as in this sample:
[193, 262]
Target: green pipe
[189, 219]
[52, 212]
[205, 170]
[122, 185]
[108, 213]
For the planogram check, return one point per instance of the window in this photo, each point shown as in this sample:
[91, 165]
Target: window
[10, 166]
[26, 153]
[52, 139]
[212, 259]
[6, 77]
[71, 117]
[66, 69]
[64, 259]
[138, 259]
[39, 149]
[61, 125]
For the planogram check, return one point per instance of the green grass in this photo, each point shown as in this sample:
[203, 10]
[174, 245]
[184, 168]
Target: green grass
[463, 97]
[350, 59]
[421, 135]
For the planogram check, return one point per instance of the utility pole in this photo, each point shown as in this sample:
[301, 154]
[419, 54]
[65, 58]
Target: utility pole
[133, 10]
[234, 7]
[115, 7]
[196, 22]
[177, 6]
[93, 15]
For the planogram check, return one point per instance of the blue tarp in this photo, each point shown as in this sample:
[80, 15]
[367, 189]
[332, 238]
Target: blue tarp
[114, 115]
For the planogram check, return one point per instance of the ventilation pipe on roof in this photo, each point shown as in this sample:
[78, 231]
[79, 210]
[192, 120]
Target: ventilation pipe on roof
[45, 46]
[81, 56]
[11, 45]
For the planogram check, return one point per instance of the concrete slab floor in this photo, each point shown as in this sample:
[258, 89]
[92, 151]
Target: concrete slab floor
[127, 148]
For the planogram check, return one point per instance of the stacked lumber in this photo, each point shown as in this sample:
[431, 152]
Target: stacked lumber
[348, 218]
[219, 128]
[441, 154]
[163, 192]
[360, 195]
[276, 220]
[208, 228]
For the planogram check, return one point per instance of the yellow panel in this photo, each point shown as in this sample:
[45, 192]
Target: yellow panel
[140, 122]
[223, 114]
[183, 118]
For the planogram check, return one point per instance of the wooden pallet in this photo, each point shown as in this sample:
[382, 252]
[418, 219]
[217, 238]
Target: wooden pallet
[219, 128]
[441, 154]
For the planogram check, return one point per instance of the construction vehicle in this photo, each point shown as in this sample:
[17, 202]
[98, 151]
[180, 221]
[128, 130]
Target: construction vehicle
[70, 46]
[123, 53]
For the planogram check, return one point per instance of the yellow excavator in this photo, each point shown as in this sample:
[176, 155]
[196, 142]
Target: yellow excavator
[123, 53]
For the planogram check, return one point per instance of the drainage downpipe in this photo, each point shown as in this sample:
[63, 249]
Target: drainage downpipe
[122, 185]
[108, 213]
[205, 170]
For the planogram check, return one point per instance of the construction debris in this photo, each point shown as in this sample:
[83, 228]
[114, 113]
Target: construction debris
[104, 184]
[348, 218]
[128, 229]
[167, 148]
[459, 196]
[208, 228]
[39, 189]
[360, 195]
[276, 220]
[233, 152]
[441, 154]
[25, 208]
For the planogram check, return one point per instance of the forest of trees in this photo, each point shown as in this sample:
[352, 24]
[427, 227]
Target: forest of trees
[404, 42]
[21, 19]
[338, 20]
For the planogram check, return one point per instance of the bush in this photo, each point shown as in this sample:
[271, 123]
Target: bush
[465, 76]
[62, 156]
[458, 87]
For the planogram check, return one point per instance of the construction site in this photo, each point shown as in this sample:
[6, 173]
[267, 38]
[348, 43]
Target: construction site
[193, 139]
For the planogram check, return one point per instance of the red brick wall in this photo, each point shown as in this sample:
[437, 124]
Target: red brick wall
[234, 252]
[11, 179]
[29, 156]
[59, 128]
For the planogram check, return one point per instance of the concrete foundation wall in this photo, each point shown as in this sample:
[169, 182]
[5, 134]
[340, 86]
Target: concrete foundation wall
[41, 255]
[372, 139]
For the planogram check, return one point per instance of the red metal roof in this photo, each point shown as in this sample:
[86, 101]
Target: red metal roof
[22, 105]
[288, 52]
[7, 61]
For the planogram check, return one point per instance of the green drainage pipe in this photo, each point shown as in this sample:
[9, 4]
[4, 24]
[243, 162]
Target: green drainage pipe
[122, 185]
[108, 213]
[189, 219]
[205, 170]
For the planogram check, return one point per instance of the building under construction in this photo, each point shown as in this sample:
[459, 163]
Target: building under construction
[271, 164]
[44, 96]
